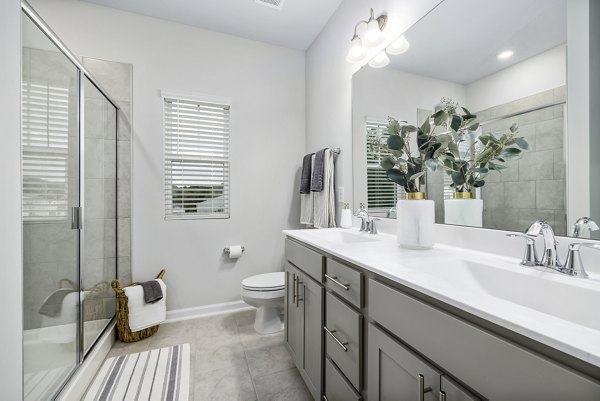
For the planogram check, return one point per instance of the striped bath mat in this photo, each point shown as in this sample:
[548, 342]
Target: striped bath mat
[158, 374]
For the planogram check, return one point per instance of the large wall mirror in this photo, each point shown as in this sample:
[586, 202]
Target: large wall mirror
[508, 63]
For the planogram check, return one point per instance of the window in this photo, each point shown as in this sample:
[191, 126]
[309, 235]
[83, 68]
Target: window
[196, 158]
[45, 151]
[382, 194]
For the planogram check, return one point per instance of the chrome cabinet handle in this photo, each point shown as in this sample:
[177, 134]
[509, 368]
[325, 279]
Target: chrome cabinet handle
[325, 398]
[294, 289]
[442, 396]
[422, 389]
[337, 340]
[334, 279]
[298, 299]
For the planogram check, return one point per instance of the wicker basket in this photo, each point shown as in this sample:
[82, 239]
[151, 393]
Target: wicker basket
[125, 333]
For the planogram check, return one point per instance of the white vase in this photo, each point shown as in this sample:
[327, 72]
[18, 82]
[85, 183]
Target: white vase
[416, 222]
[464, 212]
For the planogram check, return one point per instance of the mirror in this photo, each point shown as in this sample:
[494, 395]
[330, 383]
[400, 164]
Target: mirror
[506, 62]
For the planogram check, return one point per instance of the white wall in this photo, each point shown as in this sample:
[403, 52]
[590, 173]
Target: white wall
[545, 71]
[267, 86]
[10, 201]
[329, 76]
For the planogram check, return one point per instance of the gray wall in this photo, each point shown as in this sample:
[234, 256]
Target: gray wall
[594, 113]
[10, 201]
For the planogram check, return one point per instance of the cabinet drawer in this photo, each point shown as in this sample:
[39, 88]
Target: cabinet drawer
[344, 281]
[492, 366]
[343, 338]
[309, 261]
[337, 387]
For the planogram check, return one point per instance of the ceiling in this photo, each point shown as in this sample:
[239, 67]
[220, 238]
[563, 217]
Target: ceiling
[295, 26]
[459, 40]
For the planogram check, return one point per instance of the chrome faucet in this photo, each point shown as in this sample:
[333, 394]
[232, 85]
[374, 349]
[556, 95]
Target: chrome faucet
[367, 223]
[584, 222]
[550, 256]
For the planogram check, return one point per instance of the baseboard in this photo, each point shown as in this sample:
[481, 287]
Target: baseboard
[78, 384]
[206, 310]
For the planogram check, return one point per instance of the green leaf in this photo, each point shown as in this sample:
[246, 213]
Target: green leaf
[479, 170]
[395, 142]
[426, 127]
[440, 117]
[416, 176]
[510, 154]
[388, 163]
[522, 143]
[393, 127]
[396, 176]
[514, 128]
[408, 128]
[455, 123]
[458, 178]
[473, 127]
[467, 112]
[397, 153]
[479, 183]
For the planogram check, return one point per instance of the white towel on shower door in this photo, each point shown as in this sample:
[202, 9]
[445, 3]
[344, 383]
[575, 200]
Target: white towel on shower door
[324, 201]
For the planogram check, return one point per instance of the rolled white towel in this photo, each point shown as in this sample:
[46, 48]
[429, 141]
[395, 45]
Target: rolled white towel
[141, 314]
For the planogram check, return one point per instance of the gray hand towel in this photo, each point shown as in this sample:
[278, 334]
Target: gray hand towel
[306, 174]
[316, 183]
[52, 306]
[152, 291]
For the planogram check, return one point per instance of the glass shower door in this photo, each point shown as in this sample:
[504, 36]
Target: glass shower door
[50, 181]
[99, 234]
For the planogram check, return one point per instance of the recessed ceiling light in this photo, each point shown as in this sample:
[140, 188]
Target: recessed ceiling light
[505, 54]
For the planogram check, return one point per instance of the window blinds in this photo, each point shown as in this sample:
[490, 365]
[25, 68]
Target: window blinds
[196, 159]
[382, 194]
[45, 151]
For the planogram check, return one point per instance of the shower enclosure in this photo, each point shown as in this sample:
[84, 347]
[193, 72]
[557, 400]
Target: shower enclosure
[69, 209]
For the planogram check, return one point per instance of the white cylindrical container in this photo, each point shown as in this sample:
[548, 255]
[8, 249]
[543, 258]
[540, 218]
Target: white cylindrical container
[346, 221]
[415, 217]
[464, 212]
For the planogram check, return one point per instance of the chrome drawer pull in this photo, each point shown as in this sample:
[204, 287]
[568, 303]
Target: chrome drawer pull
[298, 299]
[442, 396]
[325, 398]
[422, 388]
[334, 279]
[341, 344]
[294, 289]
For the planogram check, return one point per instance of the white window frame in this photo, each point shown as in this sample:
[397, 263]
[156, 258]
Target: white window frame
[168, 197]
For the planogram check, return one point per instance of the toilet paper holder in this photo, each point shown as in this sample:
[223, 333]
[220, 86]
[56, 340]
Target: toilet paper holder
[226, 250]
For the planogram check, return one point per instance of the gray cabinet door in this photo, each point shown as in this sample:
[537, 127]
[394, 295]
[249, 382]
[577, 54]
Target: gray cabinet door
[395, 373]
[337, 387]
[311, 337]
[292, 311]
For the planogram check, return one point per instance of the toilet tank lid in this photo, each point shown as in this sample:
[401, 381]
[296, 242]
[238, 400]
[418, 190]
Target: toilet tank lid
[267, 280]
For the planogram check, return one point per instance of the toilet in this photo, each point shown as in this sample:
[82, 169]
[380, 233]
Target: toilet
[266, 292]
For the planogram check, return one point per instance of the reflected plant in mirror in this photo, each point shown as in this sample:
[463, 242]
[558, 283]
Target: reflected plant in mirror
[470, 157]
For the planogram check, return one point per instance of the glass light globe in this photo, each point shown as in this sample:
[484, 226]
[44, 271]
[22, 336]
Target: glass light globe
[357, 52]
[398, 46]
[380, 60]
[374, 36]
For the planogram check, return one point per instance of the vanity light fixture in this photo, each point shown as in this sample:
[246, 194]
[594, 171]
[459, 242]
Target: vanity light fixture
[398, 46]
[380, 60]
[506, 54]
[373, 37]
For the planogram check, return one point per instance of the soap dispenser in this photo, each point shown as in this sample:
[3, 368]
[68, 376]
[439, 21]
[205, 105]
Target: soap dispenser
[346, 216]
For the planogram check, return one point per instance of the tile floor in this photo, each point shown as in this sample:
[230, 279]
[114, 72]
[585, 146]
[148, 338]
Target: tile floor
[230, 361]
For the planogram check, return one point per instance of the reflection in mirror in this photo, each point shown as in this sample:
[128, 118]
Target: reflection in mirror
[508, 67]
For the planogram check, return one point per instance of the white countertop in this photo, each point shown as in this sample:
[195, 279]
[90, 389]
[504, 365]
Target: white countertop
[556, 310]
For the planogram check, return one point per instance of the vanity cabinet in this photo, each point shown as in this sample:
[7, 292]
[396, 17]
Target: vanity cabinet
[356, 335]
[304, 315]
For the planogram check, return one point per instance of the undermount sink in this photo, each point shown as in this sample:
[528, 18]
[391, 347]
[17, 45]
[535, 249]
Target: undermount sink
[543, 291]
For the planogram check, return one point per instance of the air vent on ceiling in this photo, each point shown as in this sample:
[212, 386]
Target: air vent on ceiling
[276, 4]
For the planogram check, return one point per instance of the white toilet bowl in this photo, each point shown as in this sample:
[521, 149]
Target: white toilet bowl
[266, 292]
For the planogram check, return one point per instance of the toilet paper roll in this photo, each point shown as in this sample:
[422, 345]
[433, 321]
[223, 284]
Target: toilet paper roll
[235, 251]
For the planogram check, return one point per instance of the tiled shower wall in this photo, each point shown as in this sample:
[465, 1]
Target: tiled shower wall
[534, 186]
[116, 79]
[528, 189]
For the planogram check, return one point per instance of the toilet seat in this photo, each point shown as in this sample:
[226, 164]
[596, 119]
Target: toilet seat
[265, 282]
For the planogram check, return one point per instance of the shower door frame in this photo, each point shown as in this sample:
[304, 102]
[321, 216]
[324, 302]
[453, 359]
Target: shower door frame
[78, 218]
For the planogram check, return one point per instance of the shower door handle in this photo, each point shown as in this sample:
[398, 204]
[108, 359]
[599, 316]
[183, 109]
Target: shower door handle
[76, 218]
